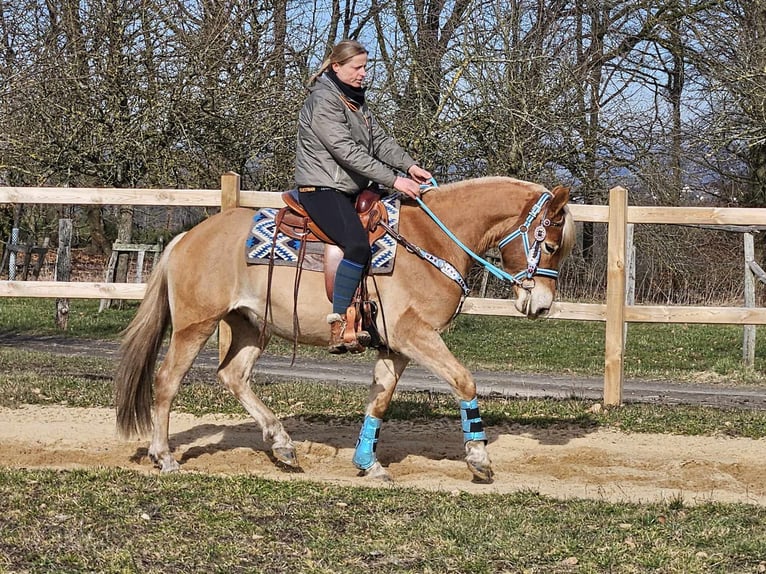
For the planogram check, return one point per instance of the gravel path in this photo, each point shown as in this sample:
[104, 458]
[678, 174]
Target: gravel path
[417, 378]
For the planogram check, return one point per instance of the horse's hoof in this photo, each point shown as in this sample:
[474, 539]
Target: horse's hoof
[285, 455]
[377, 472]
[168, 466]
[480, 473]
[478, 461]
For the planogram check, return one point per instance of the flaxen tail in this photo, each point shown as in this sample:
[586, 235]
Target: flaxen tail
[141, 344]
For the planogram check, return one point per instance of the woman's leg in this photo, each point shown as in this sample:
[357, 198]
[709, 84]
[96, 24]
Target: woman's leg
[336, 216]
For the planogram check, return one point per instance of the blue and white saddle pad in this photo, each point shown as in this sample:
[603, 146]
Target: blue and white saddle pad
[259, 240]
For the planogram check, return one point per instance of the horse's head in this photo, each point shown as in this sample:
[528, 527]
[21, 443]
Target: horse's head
[535, 249]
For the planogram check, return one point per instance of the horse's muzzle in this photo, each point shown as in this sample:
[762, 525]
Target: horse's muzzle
[533, 303]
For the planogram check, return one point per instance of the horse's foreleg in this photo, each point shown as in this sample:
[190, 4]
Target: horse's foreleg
[388, 370]
[423, 344]
[184, 347]
[234, 374]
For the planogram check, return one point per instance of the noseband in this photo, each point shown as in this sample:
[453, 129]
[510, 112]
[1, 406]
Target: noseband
[534, 250]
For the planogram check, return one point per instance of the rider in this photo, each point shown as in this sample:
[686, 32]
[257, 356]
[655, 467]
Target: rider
[341, 151]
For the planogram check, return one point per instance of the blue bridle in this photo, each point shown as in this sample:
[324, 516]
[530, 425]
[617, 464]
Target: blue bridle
[531, 250]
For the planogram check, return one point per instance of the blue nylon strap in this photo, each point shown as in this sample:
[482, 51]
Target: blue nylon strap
[367, 443]
[547, 272]
[534, 212]
[525, 241]
[499, 273]
[473, 427]
[532, 268]
[510, 237]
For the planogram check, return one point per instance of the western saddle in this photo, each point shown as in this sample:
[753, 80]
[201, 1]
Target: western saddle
[293, 221]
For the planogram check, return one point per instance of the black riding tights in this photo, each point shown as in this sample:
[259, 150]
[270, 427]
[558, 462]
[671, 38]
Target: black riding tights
[335, 214]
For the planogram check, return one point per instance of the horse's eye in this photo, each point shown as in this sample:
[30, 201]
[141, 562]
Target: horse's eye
[550, 248]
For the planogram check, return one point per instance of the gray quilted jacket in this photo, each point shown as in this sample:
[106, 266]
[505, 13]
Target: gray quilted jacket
[343, 148]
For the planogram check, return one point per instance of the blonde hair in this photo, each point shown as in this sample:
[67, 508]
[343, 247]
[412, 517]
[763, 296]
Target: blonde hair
[341, 53]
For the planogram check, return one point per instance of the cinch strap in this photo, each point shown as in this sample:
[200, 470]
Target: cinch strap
[473, 428]
[364, 455]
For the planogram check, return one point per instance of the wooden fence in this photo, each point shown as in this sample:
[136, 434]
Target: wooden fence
[615, 312]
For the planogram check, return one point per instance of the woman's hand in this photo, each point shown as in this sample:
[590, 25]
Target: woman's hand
[407, 186]
[411, 187]
[419, 174]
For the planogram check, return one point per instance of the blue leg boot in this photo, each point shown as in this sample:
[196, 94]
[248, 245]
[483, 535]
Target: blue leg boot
[475, 440]
[364, 455]
[473, 427]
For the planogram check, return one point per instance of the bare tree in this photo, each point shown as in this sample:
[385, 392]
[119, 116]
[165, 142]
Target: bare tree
[730, 54]
[659, 95]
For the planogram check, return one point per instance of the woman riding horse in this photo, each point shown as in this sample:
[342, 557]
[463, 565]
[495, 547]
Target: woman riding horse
[203, 279]
[341, 151]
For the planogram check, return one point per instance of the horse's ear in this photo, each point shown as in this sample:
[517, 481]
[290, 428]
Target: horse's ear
[560, 198]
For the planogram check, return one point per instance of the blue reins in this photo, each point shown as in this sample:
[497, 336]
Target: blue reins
[532, 252]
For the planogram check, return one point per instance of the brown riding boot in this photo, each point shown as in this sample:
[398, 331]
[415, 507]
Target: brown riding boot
[355, 341]
[337, 327]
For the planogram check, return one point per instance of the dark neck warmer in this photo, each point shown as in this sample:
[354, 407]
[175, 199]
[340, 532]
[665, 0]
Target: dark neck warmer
[356, 95]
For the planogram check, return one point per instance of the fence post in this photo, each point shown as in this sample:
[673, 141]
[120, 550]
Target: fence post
[630, 271]
[12, 254]
[614, 351]
[63, 270]
[229, 190]
[230, 187]
[748, 331]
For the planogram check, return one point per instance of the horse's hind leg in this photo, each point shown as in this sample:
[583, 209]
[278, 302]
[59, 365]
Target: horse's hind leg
[234, 374]
[388, 371]
[422, 343]
[185, 345]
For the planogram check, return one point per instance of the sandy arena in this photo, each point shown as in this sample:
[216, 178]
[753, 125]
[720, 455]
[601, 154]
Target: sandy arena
[563, 462]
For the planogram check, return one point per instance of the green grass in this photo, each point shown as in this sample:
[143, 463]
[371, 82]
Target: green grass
[120, 521]
[30, 316]
[683, 352]
[107, 520]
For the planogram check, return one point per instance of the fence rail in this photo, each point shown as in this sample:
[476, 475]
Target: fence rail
[615, 312]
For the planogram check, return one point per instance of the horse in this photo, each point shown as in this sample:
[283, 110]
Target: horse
[202, 279]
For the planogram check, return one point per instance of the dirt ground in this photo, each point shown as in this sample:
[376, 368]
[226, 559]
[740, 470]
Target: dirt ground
[565, 462]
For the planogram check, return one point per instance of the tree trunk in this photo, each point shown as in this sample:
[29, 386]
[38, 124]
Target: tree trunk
[98, 240]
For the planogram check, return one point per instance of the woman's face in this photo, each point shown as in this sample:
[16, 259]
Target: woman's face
[353, 72]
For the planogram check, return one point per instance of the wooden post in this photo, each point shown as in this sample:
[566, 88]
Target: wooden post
[230, 187]
[630, 269]
[484, 279]
[139, 267]
[109, 278]
[41, 252]
[12, 254]
[748, 334]
[615, 297]
[63, 270]
[229, 190]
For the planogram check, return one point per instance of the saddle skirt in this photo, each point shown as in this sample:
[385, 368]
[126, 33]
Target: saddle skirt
[288, 239]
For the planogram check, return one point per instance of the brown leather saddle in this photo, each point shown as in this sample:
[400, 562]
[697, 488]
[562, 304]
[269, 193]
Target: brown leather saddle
[293, 221]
